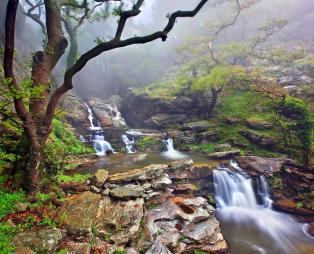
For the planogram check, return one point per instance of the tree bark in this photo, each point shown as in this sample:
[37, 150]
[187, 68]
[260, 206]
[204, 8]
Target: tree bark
[31, 184]
[215, 92]
[306, 157]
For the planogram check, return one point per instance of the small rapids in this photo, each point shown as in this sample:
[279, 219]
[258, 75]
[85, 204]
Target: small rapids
[129, 143]
[248, 221]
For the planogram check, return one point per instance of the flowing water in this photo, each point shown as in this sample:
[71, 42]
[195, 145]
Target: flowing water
[129, 144]
[171, 153]
[248, 222]
[101, 146]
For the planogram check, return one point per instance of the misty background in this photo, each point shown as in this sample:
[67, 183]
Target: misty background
[140, 65]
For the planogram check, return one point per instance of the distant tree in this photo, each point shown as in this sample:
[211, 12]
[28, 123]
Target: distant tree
[37, 109]
[220, 78]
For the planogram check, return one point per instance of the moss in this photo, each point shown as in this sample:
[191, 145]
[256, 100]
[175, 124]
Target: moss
[7, 232]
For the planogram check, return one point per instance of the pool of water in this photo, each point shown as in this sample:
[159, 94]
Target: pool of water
[121, 162]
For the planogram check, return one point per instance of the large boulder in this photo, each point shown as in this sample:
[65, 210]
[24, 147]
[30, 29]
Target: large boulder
[255, 165]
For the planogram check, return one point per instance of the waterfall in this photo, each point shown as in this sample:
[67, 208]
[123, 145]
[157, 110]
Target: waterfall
[94, 123]
[252, 226]
[101, 146]
[169, 144]
[171, 153]
[128, 144]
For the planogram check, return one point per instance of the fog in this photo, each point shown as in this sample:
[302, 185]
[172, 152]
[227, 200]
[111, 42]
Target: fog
[140, 65]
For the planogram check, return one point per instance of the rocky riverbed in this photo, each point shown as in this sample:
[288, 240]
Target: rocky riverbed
[160, 208]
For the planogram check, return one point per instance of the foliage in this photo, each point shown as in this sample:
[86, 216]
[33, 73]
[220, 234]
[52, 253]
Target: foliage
[207, 147]
[276, 182]
[73, 178]
[219, 77]
[7, 232]
[8, 201]
[146, 141]
[61, 144]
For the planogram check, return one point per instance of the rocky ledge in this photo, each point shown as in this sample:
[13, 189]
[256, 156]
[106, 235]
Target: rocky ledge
[151, 210]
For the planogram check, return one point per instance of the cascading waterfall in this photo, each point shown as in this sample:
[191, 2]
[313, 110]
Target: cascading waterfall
[250, 224]
[169, 144]
[101, 146]
[171, 153]
[94, 123]
[129, 144]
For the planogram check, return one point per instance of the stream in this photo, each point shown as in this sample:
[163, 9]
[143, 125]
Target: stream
[248, 222]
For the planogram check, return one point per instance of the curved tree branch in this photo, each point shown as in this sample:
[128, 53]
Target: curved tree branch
[115, 43]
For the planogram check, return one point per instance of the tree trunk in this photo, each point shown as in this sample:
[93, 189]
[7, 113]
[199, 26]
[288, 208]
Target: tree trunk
[215, 93]
[32, 177]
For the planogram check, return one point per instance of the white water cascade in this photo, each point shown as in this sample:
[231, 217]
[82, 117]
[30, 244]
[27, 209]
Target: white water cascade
[101, 146]
[249, 223]
[129, 143]
[94, 124]
[171, 153]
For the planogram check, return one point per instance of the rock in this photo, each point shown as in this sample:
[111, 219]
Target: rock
[121, 220]
[139, 109]
[232, 120]
[222, 147]
[255, 165]
[224, 155]
[77, 247]
[290, 206]
[105, 192]
[107, 114]
[189, 219]
[127, 191]
[259, 139]
[81, 211]
[166, 119]
[95, 189]
[207, 136]
[196, 126]
[23, 250]
[99, 177]
[162, 182]
[141, 174]
[158, 248]
[259, 125]
[40, 240]
[185, 187]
